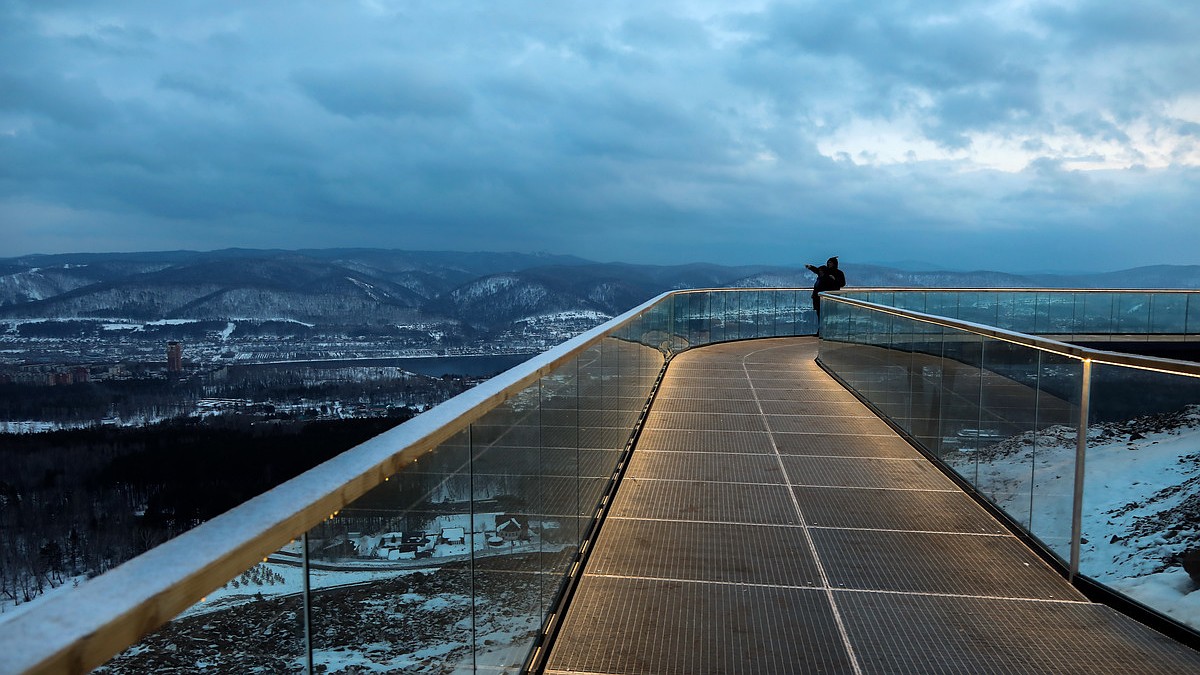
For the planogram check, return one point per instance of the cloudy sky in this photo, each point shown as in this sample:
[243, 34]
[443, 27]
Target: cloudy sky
[1014, 135]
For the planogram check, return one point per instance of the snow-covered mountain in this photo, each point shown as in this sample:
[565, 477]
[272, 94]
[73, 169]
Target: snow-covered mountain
[488, 291]
[336, 287]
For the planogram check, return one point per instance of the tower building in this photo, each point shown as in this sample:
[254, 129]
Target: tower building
[174, 357]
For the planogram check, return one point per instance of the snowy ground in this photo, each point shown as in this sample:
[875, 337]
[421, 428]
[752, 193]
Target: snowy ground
[10, 610]
[280, 574]
[1141, 501]
[436, 620]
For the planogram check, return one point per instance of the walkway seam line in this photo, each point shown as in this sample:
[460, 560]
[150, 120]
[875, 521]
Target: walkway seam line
[797, 485]
[818, 589]
[743, 483]
[998, 535]
[812, 546]
[798, 433]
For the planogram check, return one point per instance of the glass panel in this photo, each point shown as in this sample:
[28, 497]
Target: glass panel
[892, 389]
[391, 573]
[1097, 313]
[1132, 313]
[784, 318]
[839, 350]
[1015, 311]
[961, 396]
[904, 344]
[511, 488]
[831, 348]
[268, 597]
[748, 309]
[656, 326]
[1193, 314]
[926, 383]
[720, 316]
[883, 297]
[798, 321]
[596, 459]
[1008, 418]
[567, 517]
[767, 317]
[910, 300]
[1053, 451]
[977, 307]
[1141, 488]
[734, 315]
[1060, 314]
[942, 304]
[806, 319]
[1168, 313]
[884, 380]
[702, 318]
[680, 316]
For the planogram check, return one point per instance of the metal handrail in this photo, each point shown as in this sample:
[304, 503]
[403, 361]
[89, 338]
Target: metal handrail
[990, 289]
[1153, 363]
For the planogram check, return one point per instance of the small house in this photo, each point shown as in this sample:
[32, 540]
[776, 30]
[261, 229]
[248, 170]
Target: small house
[511, 527]
[453, 535]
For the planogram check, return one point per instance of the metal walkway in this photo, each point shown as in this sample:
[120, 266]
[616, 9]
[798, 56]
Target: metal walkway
[770, 523]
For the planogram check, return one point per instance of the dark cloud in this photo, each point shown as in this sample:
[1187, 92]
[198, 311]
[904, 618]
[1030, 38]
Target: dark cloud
[75, 102]
[384, 92]
[1009, 103]
[659, 31]
[119, 41]
[1101, 25]
[959, 69]
[200, 86]
[658, 133]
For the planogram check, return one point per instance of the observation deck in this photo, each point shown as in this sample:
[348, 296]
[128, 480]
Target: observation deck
[702, 486]
[769, 522]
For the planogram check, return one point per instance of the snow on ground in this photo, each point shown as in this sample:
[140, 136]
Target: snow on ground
[569, 315]
[9, 610]
[31, 427]
[258, 319]
[280, 574]
[373, 658]
[288, 580]
[1141, 500]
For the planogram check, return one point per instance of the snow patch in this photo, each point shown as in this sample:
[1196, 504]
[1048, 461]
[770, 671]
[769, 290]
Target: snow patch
[485, 287]
[569, 315]
[1141, 500]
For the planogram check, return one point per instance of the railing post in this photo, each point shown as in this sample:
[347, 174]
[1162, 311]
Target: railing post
[1085, 394]
[304, 573]
[471, 549]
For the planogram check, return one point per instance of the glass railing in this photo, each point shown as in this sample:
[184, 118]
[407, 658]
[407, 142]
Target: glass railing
[1004, 412]
[452, 539]
[445, 544]
[1147, 315]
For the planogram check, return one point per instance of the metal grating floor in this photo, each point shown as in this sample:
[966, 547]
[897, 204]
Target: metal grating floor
[769, 523]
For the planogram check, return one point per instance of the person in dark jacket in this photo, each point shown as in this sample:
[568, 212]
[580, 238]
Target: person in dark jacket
[829, 278]
[838, 278]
